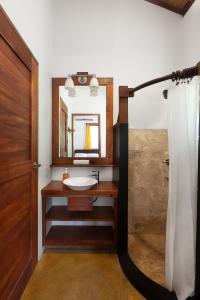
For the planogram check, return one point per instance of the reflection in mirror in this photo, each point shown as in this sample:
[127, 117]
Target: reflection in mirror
[82, 123]
[86, 135]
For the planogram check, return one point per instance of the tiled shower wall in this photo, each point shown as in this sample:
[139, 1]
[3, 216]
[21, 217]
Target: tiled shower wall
[148, 178]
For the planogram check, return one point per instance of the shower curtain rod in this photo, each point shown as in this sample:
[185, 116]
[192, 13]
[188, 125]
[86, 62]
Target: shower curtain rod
[178, 75]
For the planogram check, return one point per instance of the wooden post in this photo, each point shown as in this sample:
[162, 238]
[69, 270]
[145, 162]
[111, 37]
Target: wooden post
[123, 104]
[43, 220]
[123, 170]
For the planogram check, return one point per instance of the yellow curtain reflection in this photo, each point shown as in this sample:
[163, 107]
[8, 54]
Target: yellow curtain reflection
[88, 144]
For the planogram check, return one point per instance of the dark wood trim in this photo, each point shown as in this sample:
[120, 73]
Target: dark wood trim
[34, 150]
[80, 237]
[123, 104]
[116, 216]
[187, 7]
[164, 5]
[120, 177]
[56, 160]
[61, 213]
[182, 11]
[43, 220]
[64, 109]
[99, 137]
[34, 155]
[55, 118]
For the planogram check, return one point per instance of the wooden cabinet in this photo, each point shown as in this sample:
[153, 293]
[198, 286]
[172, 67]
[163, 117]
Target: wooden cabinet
[102, 234]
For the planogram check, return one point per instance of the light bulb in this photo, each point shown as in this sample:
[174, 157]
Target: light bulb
[69, 86]
[94, 85]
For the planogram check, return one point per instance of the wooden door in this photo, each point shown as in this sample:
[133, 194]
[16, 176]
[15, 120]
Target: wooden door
[18, 154]
[63, 129]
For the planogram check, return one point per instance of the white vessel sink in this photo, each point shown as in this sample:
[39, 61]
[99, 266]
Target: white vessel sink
[80, 183]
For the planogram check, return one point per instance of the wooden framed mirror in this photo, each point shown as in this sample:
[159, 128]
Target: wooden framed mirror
[82, 125]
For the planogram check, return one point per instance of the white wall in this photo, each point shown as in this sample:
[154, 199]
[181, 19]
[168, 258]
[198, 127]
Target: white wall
[131, 41]
[190, 24]
[33, 21]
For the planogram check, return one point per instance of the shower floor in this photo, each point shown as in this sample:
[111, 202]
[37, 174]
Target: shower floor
[147, 250]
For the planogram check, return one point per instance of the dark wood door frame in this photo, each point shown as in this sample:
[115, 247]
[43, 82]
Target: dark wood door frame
[27, 167]
[181, 8]
[64, 110]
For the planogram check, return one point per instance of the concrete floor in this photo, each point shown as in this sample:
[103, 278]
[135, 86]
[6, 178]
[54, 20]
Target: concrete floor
[75, 276]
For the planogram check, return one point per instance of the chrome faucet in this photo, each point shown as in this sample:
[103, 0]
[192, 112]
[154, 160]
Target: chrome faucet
[96, 175]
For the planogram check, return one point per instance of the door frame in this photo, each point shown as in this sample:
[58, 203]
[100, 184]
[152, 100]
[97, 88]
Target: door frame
[64, 108]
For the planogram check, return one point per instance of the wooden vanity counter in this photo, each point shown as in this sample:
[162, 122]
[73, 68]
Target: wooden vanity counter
[102, 189]
[86, 236]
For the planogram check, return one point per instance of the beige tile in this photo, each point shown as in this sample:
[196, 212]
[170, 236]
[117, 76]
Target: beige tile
[148, 184]
[148, 197]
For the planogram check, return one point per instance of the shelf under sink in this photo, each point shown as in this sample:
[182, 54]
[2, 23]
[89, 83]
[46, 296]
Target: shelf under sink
[99, 213]
[87, 237]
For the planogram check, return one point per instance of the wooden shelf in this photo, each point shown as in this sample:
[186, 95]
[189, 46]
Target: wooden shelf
[79, 237]
[99, 213]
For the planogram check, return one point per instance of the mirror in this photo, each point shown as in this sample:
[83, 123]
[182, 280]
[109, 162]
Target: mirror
[82, 123]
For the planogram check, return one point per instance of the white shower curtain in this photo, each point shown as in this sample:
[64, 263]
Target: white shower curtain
[183, 118]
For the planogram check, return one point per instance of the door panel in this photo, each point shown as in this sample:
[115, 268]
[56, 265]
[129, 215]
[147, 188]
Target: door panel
[15, 108]
[18, 152]
[15, 197]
